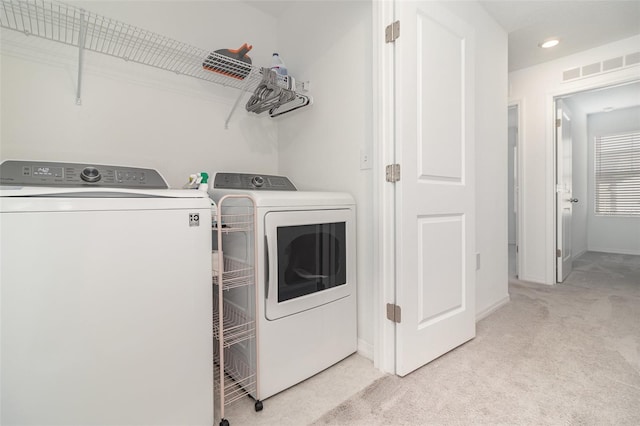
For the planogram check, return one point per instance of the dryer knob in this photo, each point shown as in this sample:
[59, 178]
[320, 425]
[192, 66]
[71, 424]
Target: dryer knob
[257, 181]
[90, 174]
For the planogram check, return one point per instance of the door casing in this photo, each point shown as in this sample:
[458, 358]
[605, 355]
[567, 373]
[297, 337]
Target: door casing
[624, 76]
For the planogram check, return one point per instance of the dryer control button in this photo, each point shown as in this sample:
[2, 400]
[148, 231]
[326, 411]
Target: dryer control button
[90, 174]
[257, 181]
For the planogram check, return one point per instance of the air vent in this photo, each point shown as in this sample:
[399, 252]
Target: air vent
[600, 67]
[571, 74]
[632, 59]
[613, 63]
[591, 69]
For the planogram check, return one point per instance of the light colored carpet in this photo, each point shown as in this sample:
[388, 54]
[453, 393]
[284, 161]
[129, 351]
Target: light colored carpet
[562, 355]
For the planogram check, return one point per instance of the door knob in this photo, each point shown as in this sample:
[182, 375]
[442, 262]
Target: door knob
[573, 200]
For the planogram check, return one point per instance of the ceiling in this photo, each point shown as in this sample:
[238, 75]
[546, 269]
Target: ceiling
[616, 97]
[580, 25]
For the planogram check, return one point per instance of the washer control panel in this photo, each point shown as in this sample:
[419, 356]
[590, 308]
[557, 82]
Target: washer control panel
[252, 182]
[38, 173]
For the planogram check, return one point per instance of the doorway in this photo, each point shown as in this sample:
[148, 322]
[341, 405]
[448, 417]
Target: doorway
[619, 107]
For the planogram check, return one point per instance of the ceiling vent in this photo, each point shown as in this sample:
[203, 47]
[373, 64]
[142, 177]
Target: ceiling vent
[633, 58]
[600, 67]
[612, 64]
[592, 69]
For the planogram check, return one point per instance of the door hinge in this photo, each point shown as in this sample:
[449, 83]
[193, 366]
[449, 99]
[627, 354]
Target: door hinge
[392, 32]
[558, 253]
[394, 313]
[393, 172]
[558, 122]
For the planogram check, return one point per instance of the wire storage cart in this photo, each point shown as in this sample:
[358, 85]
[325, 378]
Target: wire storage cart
[234, 303]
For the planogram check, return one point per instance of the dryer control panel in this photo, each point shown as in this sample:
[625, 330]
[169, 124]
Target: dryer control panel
[39, 173]
[252, 182]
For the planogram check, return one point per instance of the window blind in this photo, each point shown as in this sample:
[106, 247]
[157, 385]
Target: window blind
[617, 174]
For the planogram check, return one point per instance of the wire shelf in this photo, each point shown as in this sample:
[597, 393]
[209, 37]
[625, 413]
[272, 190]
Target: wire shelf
[237, 325]
[235, 274]
[74, 26]
[71, 25]
[236, 222]
[239, 376]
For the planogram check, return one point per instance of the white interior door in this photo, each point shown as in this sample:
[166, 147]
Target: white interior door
[435, 264]
[564, 195]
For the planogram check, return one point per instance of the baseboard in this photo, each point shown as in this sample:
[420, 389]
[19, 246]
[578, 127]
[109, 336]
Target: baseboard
[614, 251]
[580, 253]
[491, 309]
[365, 349]
[535, 280]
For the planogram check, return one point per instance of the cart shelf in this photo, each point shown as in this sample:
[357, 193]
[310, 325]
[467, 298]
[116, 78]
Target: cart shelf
[235, 222]
[235, 274]
[239, 378]
[237, 325]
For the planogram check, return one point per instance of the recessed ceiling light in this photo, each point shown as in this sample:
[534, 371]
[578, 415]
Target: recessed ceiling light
[608, 109]
[549, 43]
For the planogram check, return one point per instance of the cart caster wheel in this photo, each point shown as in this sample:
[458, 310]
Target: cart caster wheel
[224, 422]
[259, 406]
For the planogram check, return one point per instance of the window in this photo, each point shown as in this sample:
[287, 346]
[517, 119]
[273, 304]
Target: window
[617, 175]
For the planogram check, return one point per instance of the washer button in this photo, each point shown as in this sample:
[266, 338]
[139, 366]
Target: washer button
[90, 174]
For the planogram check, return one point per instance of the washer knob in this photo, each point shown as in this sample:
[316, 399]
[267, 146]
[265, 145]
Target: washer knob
[90, 174]
[257, 181]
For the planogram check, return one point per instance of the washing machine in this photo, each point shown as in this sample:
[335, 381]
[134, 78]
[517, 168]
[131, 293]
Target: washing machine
[306, 285]
[105, 307]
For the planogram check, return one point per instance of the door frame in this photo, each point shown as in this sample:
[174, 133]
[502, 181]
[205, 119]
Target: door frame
[519, 166]
[627, 75]
[384, 252]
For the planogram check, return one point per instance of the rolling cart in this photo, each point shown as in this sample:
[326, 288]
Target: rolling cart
[235, 327]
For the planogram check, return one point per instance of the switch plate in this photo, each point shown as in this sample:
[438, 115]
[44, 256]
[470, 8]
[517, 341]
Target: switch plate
[365, 159]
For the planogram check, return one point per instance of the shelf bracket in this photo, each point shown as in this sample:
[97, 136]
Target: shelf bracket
[81, 37]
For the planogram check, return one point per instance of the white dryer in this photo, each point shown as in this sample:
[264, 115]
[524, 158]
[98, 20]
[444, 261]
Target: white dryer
[306, 258]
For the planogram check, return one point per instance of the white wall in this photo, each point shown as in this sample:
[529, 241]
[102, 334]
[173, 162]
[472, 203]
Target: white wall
[319, 149]
[610, 233]
[133, 114]
[491, 155]
[535, 88]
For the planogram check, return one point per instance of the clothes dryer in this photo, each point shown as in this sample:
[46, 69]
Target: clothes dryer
[306, 260]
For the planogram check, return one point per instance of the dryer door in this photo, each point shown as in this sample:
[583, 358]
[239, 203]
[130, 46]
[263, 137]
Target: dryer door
[311, 258]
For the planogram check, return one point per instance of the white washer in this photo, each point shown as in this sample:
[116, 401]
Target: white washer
[106, 311]
[306, 264]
